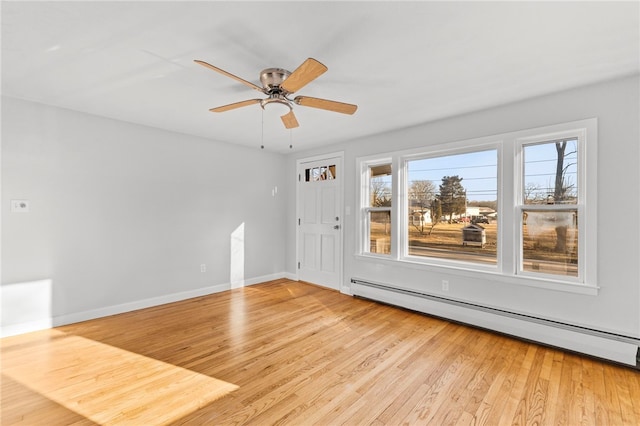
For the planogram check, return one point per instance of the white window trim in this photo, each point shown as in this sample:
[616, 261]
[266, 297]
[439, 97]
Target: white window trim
[474, 145]
[587, 195]
[509, 150]
[364, 209]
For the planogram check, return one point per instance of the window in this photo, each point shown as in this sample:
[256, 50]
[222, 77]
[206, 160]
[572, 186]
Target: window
[315, 174]
[451, 204]
[377, 208]
[550, 206]
[513, 204]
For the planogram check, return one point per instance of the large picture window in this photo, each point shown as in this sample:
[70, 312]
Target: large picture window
[452, 206]
[521, 204]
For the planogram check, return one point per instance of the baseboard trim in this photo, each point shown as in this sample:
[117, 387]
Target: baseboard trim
[134, 306]
[616, 348]
[74, 317]
[291, 276]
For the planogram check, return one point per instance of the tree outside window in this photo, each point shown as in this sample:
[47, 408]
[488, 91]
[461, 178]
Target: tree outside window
[438, 199]
[452, 197]
[378, 211]
[550, 219]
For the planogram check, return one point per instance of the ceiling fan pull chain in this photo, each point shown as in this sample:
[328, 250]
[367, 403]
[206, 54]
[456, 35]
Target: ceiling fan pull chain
[262, 130]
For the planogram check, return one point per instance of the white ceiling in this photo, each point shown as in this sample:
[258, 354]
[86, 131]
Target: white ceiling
[402, 63]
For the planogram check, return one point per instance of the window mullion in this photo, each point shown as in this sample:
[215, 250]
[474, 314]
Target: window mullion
[397, 208]
[508, 235]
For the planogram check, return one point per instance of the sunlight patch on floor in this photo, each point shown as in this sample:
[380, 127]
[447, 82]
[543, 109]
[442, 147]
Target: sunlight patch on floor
[106, 384]
[236, 268]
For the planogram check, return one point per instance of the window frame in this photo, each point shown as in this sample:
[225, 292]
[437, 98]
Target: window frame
[465, 147]
[366, 209]
[586, 211]
[509, 147]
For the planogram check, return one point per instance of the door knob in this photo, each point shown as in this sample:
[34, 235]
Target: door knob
[336, 227]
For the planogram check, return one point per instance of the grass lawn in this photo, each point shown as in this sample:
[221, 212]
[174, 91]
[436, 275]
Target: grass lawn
[446, 237]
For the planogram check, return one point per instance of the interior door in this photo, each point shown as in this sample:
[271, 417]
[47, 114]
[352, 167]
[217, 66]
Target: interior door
[320, 221]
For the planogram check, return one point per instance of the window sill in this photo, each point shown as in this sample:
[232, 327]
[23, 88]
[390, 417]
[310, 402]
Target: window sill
[485, 273]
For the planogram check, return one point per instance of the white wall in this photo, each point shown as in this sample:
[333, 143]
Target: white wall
[617, 306]
[123, 215]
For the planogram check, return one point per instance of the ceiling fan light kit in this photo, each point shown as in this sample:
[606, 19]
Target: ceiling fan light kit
[280, 104]
[278, 84]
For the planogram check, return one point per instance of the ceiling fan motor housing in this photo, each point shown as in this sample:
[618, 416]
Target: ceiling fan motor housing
[272, 78]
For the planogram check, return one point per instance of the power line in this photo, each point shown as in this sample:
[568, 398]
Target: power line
[451, 168]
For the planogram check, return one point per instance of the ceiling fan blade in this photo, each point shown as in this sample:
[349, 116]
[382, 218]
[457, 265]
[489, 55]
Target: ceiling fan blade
[326, 104]
[235, 105]
[228, 74]
[303, 75]
[290, 120]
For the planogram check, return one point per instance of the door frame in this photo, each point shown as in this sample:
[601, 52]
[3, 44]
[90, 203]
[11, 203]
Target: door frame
[299, 162]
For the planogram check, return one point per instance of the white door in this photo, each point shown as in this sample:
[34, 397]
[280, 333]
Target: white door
[320, 221]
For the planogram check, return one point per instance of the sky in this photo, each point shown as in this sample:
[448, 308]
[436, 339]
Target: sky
[540, 166]
[478, 170]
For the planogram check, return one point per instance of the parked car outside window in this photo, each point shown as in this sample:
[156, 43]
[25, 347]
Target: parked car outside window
[480, 219]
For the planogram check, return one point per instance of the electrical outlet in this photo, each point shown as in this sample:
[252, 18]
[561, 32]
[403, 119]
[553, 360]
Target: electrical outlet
[445, 285]
[19, 206]
[203, 268]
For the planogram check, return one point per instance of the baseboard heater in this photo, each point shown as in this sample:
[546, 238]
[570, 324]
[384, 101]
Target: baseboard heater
[601, 344]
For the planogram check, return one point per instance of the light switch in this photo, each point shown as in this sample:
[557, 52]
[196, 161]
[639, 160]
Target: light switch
[19, 206]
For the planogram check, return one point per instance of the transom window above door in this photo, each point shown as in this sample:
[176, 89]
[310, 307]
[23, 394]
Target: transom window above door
[315, 174]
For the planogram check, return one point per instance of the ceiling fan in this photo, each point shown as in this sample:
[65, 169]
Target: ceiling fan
[278, 84]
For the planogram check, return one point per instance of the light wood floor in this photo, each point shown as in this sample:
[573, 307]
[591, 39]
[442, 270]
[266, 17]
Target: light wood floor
[285, 352]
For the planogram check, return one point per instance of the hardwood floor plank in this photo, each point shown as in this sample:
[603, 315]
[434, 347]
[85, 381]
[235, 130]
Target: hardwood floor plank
[577, 408]
[339, 391]
[491, 409]
[633, 381]
[428, 363]
[535, 396]
[443, 398]
[551, 372]
[518, 389]
[475, 363]
[291, 353]
[380, 392]
[623, 390]
[588, 399]
[485, 372]
[367, 377]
